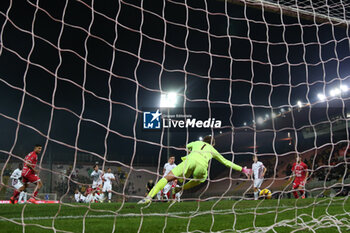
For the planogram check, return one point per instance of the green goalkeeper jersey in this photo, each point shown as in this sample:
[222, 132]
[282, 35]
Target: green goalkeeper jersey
[202, 153]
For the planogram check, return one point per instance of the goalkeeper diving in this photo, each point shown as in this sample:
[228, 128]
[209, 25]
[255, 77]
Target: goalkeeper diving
[195, 164]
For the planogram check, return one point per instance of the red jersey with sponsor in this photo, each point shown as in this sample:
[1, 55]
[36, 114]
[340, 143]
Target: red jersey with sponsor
[299, 170]
[32, 159]
[88, 191]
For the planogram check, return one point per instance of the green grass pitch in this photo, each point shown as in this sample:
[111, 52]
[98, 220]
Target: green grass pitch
[286, 215]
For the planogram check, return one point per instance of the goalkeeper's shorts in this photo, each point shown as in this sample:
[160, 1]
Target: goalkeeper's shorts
[190, 167]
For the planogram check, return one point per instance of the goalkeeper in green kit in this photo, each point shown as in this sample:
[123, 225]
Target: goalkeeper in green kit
[195, 164]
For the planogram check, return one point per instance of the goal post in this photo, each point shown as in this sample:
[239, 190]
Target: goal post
[303, 10]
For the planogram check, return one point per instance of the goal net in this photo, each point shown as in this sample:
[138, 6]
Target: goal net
[126, 85]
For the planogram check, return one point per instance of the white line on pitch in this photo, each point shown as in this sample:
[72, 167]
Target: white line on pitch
[169, 214]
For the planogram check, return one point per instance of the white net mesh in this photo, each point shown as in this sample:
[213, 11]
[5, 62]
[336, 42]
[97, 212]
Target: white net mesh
[78, 76]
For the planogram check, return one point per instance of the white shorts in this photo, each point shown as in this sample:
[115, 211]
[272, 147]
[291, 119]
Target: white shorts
[107, 187]
[82, 198]
[89, 198]
[95, 184]
[97, 197]
[17, 184]
[258, 183]
[167, 187]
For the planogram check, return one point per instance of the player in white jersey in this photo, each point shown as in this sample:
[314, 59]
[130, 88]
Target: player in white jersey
[107, 185]
[170, 165]
[259, 171]
[96, 175]
[17, 184]
[80, 198]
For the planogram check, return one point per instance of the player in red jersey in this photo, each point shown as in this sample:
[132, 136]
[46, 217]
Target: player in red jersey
[29, 174]
[88, 190]
[300, 174]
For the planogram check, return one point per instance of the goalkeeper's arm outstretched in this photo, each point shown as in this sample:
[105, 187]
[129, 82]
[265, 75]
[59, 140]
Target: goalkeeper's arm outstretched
[195, 164]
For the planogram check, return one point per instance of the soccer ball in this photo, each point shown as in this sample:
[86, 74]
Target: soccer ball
[265, 193]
